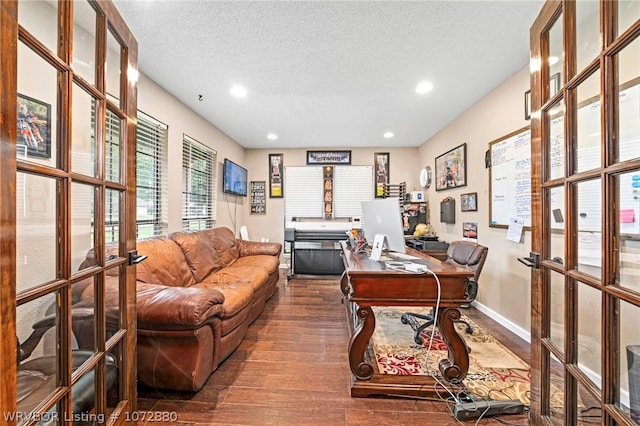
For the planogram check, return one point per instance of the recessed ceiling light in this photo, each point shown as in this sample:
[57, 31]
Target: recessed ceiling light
[388, 135]
[238, 91]
[272, 136]
[424, 87]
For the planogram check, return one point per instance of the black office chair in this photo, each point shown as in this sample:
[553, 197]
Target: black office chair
[459, 253]
[37, 377]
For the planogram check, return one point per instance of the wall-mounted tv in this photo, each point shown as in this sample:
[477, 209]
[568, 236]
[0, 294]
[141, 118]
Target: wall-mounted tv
[234, 178]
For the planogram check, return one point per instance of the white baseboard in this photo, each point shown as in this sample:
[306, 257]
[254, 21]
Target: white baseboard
[284, 266]
[506, 323]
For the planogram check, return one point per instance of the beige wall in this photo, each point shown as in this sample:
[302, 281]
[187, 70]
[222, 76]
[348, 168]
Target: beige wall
[504, 283]
[403, 167]
[161, 105]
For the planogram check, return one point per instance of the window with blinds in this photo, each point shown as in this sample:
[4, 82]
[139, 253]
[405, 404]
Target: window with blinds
[198, 185]
[352, 185]
[304, 190]
[151, 168]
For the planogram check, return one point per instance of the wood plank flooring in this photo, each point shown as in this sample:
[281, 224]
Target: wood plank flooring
[292, 369]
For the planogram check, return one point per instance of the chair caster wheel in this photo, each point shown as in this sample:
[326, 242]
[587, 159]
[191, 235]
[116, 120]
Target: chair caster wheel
[469, 330]
[404, 319]
[418, 340]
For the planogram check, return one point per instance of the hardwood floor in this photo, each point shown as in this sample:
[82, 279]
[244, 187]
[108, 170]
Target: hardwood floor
[292, 369]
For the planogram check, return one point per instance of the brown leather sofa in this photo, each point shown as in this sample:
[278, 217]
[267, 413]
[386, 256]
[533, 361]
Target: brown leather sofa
[197, 294]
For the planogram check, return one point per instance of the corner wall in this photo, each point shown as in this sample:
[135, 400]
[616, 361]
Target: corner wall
[504, 283]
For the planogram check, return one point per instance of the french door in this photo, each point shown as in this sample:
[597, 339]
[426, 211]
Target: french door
[67, 193]
[585, 81]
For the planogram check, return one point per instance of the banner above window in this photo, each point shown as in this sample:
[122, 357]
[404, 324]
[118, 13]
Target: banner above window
[328, 157]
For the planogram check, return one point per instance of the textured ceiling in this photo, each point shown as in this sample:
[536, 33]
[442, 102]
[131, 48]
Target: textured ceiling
[330, 74]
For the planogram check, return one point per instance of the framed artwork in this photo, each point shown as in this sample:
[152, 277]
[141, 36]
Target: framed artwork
[470, 230]
[451, 168]
[258, 197]
[527, 105]
[328, 157]
[381, 160]
[275, 175]
[34, 126]
[469, 202]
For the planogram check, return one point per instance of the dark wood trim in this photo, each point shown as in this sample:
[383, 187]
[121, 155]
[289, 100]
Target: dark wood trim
[8, 135]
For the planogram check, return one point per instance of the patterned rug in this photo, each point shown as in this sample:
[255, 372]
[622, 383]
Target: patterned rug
[494, 371]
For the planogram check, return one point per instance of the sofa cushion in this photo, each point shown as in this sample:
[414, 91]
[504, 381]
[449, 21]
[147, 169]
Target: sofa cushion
[270, 263]
[237, 296]
[254, 275]
[199, 251]
[226, 246]
[165, 265]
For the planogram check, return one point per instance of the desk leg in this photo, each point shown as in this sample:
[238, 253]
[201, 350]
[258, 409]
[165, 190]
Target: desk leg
[456, 366]
[359, 343]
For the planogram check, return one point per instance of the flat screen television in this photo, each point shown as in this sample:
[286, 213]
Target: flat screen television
[234, 178]
[382, 216]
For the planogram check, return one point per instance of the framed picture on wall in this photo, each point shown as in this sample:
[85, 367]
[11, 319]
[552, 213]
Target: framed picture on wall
[275, 175]
[469, 202]
[381, 161]
[34, 126]
[451, 168]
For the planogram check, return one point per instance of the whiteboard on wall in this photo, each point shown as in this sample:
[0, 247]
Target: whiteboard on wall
[510, 179]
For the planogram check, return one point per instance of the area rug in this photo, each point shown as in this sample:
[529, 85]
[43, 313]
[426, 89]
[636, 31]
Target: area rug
[494, 371]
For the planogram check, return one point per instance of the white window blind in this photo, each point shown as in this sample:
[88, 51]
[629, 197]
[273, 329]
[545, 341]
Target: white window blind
[302, 192]
[151, 168]
[351, 186]
[198, 185]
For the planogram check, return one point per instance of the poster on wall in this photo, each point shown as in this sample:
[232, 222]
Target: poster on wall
[34, 126]
[470, 231]
[275, 175]
[382, 172]
[258, 197]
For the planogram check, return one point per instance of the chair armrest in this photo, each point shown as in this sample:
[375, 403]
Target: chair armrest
[161, 307]
[252, 248]
[41, 326]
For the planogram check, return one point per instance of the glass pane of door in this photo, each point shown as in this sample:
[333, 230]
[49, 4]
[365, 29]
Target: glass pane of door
[36, 231]
[83, 132]
[587, 154]
[629, 101]
[40, 18]
[555, 60]
[589, 226]
[556, 149]
[587, 33]
[628, 235]
[556, 309]
[84, 41]
[629, 378]
[589, 325]
[37, 109]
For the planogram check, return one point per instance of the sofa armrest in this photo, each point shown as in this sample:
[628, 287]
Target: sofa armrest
[252, 248]
[162, 307]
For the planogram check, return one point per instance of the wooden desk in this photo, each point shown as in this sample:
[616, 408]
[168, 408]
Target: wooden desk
[366, 283]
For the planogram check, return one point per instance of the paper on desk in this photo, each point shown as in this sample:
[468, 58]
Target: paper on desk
[516, 226]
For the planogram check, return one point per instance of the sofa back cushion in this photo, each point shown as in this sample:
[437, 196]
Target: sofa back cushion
[166, 263]
[225, 244]
[199, 251]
